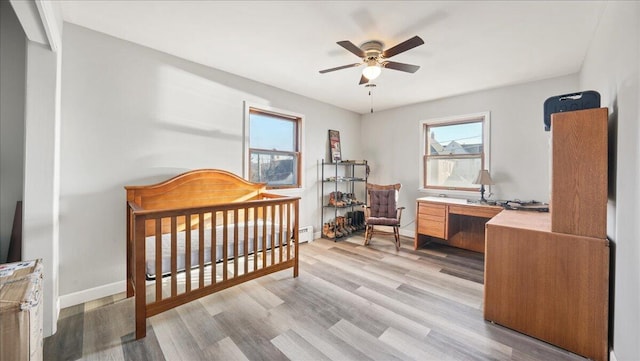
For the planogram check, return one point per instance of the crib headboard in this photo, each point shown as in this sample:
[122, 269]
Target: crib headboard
[197, 188]
[201, 187]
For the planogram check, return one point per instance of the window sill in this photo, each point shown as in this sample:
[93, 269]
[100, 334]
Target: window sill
[450, 193]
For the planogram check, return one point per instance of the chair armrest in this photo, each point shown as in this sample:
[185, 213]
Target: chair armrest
[366, 209]
[399, 213]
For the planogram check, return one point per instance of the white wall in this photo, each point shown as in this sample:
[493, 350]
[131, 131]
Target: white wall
[41, 145]
[612, 67]
[40, 228]
[519, 144]
[12, 92]
[131, 116]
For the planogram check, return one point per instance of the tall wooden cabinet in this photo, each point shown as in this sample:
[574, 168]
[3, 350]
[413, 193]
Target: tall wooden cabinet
[579, 172]
[547, 275]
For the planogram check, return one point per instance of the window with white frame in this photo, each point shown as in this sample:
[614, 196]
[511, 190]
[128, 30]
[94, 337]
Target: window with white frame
[454, 151]
[273, 151]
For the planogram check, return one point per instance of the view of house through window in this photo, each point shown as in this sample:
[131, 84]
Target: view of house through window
[454, 154]
[274, 149]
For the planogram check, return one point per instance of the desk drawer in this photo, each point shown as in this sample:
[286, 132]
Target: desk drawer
[432, 209]
[426, 218]
[431, 228]
[475, 211]
[431, 219]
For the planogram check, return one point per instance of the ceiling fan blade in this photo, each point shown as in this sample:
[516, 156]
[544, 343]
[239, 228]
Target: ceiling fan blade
[401, 66]
[402, 47]
[363, 80]
[352, 48]
[340, 68]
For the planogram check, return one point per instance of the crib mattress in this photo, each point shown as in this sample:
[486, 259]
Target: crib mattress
[195, 244]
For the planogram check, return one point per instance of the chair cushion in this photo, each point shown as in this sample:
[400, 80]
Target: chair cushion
[383, 203]
[377, 221]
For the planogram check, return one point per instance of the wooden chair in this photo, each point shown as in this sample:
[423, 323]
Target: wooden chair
[382, 210]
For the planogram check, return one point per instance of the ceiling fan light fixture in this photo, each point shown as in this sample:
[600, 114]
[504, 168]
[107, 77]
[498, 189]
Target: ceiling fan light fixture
[375, 58]
[372, 70]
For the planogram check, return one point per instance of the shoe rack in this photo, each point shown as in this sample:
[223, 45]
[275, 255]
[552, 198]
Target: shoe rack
[343, 195]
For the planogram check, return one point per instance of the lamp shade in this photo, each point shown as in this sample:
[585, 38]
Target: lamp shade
[484, 178]
[372, 70]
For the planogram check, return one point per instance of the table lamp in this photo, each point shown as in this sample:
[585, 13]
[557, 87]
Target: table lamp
[484, 178]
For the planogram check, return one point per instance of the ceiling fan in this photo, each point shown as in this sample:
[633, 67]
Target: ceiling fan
[374, 57]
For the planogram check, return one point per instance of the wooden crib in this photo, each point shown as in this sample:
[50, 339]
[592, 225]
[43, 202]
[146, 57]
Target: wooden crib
[201, 232]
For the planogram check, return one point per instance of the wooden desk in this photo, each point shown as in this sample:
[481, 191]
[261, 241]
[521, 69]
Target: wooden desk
[452, 221]
[552, 286]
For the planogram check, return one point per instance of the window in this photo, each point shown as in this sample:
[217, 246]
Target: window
[273, 148]
[454, 151]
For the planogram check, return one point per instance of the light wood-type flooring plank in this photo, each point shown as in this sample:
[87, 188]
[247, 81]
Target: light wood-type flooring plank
[350, 302]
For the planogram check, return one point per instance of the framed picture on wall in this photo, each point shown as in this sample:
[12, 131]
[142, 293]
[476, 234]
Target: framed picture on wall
[334, 146]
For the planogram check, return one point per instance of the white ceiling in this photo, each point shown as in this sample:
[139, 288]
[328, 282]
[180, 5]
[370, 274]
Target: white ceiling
[469, 45]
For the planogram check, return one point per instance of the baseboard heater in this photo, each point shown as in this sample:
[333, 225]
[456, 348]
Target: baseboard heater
[305, 234]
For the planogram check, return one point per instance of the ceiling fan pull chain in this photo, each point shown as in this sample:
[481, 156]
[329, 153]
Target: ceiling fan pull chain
[371, 86]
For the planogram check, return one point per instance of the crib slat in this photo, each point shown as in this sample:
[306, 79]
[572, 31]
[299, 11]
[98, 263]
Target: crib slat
[280, 235]
[288, 231]
[158, 259]
[264, 236]
[273, 234]
[174, 256]
[187, 252]
[246, 240]
[296, 235]
[201, 249]
[235, 243]
[214, 246]
[225, 252]
[255, 238]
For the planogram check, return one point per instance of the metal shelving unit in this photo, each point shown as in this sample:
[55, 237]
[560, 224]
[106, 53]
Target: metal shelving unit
[346, 178]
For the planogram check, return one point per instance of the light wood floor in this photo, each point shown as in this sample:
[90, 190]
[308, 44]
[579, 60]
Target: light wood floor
[349, 303]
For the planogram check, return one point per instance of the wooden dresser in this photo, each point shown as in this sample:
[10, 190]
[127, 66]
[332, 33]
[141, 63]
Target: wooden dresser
[452, 221]
[547, 274]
